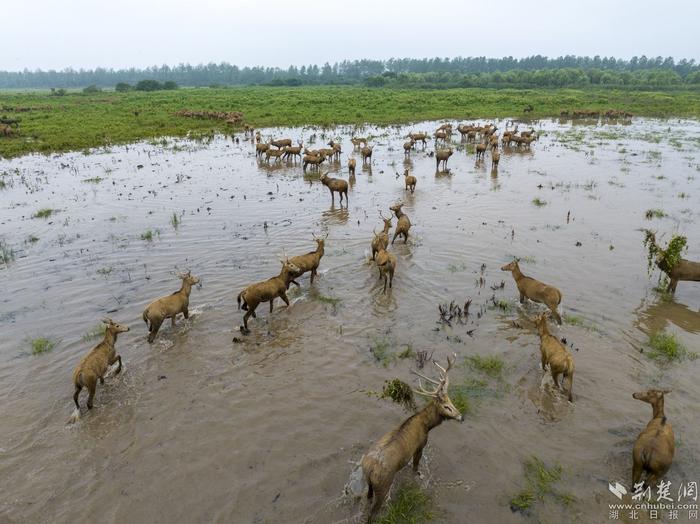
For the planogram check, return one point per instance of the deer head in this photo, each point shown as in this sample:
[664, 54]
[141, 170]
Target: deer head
[440, 394]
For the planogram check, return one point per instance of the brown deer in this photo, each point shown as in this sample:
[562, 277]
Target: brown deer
[555, 354]
[313, 161]
[410, 181]
[366, 154]
[442, 156]
[293, 151]
[684, 270]
[358, 141]
[351, 166]
[392, 452]
[336, 185]
[535, 290]
[276, 153]
[169, 306]
[386, 262]
[480, 150]
[418, 137]
[95, 364]
[403, 224]
[266, 291]
[653, 451]
[310, 261]
[495, 159]
[282, 142]
[381, 240]
[407, 146]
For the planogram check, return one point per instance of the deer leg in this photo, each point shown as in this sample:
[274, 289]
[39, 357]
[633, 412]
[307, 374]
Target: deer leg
[555, 378]
[416, 459]
[102, 381]
[405, 237]
[522, 298]
[78, 388]
[245, 321]
[385, 281]
[186, 313]
[91, 388]
[295, 283]
[377, 501]
[395, 235]
[556, 315]
[391, 278]
[172, 321]
[271, 301]
[672, 285]
[119, 368]
[283, 296]
[155, 326]
[313, 274]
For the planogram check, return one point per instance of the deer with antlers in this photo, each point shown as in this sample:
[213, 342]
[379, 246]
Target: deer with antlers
[310, 261]
[392, 452]
[381, 240]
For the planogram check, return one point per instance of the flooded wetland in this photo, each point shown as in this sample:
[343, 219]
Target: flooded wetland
[208, 424]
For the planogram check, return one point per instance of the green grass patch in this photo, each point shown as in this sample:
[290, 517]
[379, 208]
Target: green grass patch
[147, 235]
[491, 366]
[654, 213]
[459, 395]
[333, 301]
[539, 483]
[93, 180]
[175, 220]
[97, 332]
[42, 345]
[7, 254]
[410, 504]
[44, 213]
[32, 239]
[666, 347]
[539, 202]
[400, 392]
[77, 121]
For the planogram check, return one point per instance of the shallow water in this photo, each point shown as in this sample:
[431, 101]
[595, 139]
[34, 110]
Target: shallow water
[200, 428]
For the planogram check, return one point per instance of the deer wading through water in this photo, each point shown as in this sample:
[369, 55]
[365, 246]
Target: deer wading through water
[393, 451]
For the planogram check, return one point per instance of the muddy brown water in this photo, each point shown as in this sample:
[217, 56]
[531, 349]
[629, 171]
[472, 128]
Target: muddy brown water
[203, 429]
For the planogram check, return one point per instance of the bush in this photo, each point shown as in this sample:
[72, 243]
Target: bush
[123, 87]
[91, 89]
[169, 85]
[148, 85]
[58, 92]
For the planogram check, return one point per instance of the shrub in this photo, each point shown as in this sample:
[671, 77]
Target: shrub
[148, 85]
[91, 89]
[123, 87]
[169, 85]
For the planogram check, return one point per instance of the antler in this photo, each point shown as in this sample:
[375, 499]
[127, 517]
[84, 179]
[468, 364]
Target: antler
[424, 392]
[381, 215]
[107, 320]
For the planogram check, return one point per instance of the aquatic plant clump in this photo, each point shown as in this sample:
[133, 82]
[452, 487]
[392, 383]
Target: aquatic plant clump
[667, 258]
[400, 392]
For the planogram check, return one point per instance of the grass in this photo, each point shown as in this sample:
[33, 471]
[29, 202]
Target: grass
[97, 332]
[7, 254]
[539, 202]
[502, 304]
[410, 504]
[539, 483]
[400, 392]
[666, 347]
[93, 180]
[460, 398]
[45, 212]
[333, 301]
[654, 213]
[175, 220]
[79, 121]
[491, 366]
[147, 235]
[32, 239]
[42, 345]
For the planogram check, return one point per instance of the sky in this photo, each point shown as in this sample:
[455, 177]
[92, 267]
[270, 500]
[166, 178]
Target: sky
[52, 34]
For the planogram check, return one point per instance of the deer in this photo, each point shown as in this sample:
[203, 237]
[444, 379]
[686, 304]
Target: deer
[293, 151]
[282, 142]
[406, 442]
[351, 166]
[366, 154]
[261, 148]
[266, 291]
[169, 306]
[480, 150]
[653, 450]
[386, 262]
[312, 160]
[418, 137]
[358, 141]
[381, 240]
[403, 224]
[683, 270]
[336, 149]
[276, 153]
[535, 290]
[409, 181]
[555, 354]
[93, 366]
[495, 159]
[311, 260]
[336, 185]
[442, 156]
[407, 146]
[440, 135]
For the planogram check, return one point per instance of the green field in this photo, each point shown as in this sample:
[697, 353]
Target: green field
[78, 121]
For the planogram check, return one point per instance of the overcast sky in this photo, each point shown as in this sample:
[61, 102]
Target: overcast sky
[54, 34]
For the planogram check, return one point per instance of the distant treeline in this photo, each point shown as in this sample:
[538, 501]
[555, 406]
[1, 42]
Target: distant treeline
[533, 71]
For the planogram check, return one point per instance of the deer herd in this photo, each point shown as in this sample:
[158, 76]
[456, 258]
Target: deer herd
[654, 448]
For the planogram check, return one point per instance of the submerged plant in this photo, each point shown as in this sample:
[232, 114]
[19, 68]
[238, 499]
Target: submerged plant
[42, 345]
[44, 213]
[539, 482]
[666, 347]
[7, 254]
